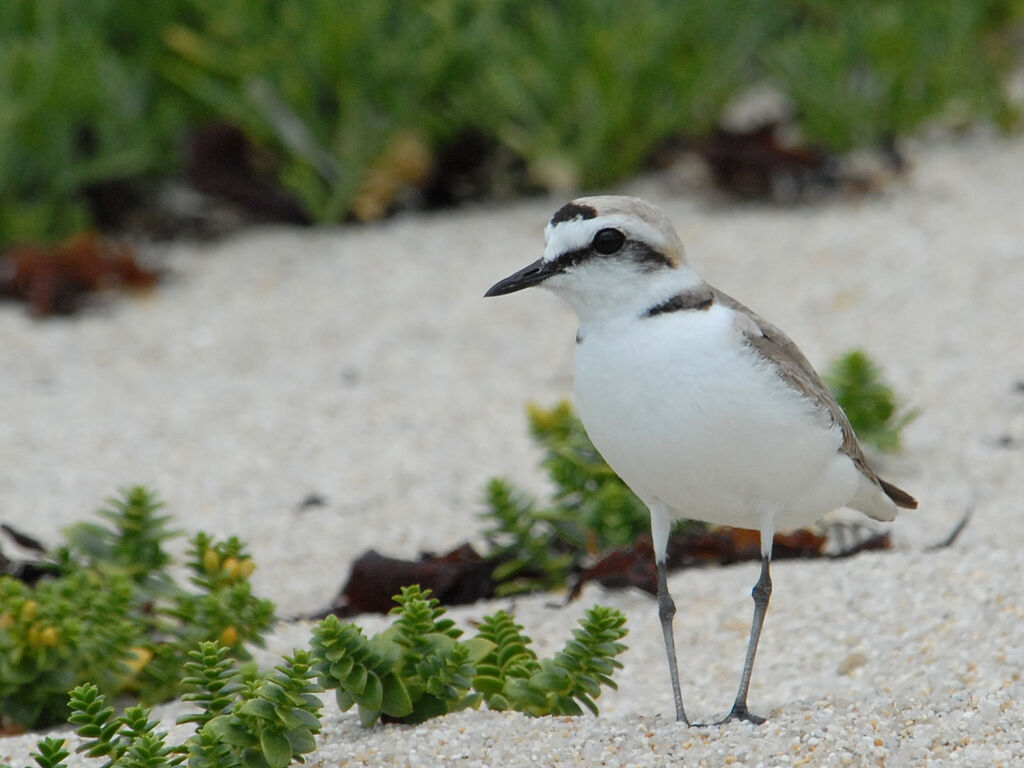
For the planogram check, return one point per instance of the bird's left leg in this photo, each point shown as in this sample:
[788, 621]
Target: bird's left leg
[761, 593]
[660, 523]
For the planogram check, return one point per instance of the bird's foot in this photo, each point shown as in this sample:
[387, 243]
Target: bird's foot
[740, 712]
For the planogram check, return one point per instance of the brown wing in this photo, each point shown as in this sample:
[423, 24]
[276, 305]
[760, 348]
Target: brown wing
[791, 365]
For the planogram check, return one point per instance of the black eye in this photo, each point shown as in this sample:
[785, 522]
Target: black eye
[608, 241]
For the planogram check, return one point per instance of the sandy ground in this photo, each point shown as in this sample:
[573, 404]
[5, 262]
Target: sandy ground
[362, 364]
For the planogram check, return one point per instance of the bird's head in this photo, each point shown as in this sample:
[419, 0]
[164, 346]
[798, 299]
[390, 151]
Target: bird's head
[606, 255]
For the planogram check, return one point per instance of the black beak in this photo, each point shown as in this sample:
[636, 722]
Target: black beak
[532, 274]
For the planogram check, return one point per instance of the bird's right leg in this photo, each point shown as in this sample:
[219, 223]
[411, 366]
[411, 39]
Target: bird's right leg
[666, 612]
[666, 606]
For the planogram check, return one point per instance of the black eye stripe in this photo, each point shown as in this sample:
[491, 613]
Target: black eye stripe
[571, 258]
[646, 257]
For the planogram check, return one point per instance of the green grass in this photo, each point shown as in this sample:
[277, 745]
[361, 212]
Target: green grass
[81, 100]
[583, 90]
[861, 72]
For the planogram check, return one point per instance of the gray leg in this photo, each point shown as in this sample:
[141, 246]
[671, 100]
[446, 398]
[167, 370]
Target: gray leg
[666, 612]
[761, 593]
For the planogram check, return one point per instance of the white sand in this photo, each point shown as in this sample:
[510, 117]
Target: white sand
[363, 364]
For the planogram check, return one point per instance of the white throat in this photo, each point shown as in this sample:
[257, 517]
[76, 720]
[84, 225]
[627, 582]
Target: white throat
[610, 289]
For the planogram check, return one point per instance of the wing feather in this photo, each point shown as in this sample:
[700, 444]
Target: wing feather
[778, 350]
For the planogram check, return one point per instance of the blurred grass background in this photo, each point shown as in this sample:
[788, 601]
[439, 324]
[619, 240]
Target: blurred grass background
[342, 95]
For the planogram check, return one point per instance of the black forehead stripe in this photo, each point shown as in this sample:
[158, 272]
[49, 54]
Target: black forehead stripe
[571, 211]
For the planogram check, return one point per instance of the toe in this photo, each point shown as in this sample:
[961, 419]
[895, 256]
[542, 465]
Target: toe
[740, 712]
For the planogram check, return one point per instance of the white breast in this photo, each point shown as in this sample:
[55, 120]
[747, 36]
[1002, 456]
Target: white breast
[691, 417]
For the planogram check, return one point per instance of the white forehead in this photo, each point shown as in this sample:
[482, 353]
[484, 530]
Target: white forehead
[634, 218]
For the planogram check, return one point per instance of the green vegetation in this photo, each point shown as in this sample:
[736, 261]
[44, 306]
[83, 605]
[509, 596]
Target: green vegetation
[336, 93]
[269, 721]
[419, 668]
[82, 100]
[870, 403]
[511, 676]
[110, 621]
[415, 670]
[111, 615]
[861, 72]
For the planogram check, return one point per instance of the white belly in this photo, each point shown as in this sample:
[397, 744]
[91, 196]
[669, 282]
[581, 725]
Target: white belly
[692, 420]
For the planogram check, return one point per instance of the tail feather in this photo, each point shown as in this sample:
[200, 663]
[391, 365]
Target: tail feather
[881, 500]
[898, 495]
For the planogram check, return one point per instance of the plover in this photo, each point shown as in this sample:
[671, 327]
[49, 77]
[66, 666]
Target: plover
[706, 410]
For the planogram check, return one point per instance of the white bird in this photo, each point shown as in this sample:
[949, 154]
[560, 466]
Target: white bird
[706, 411]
